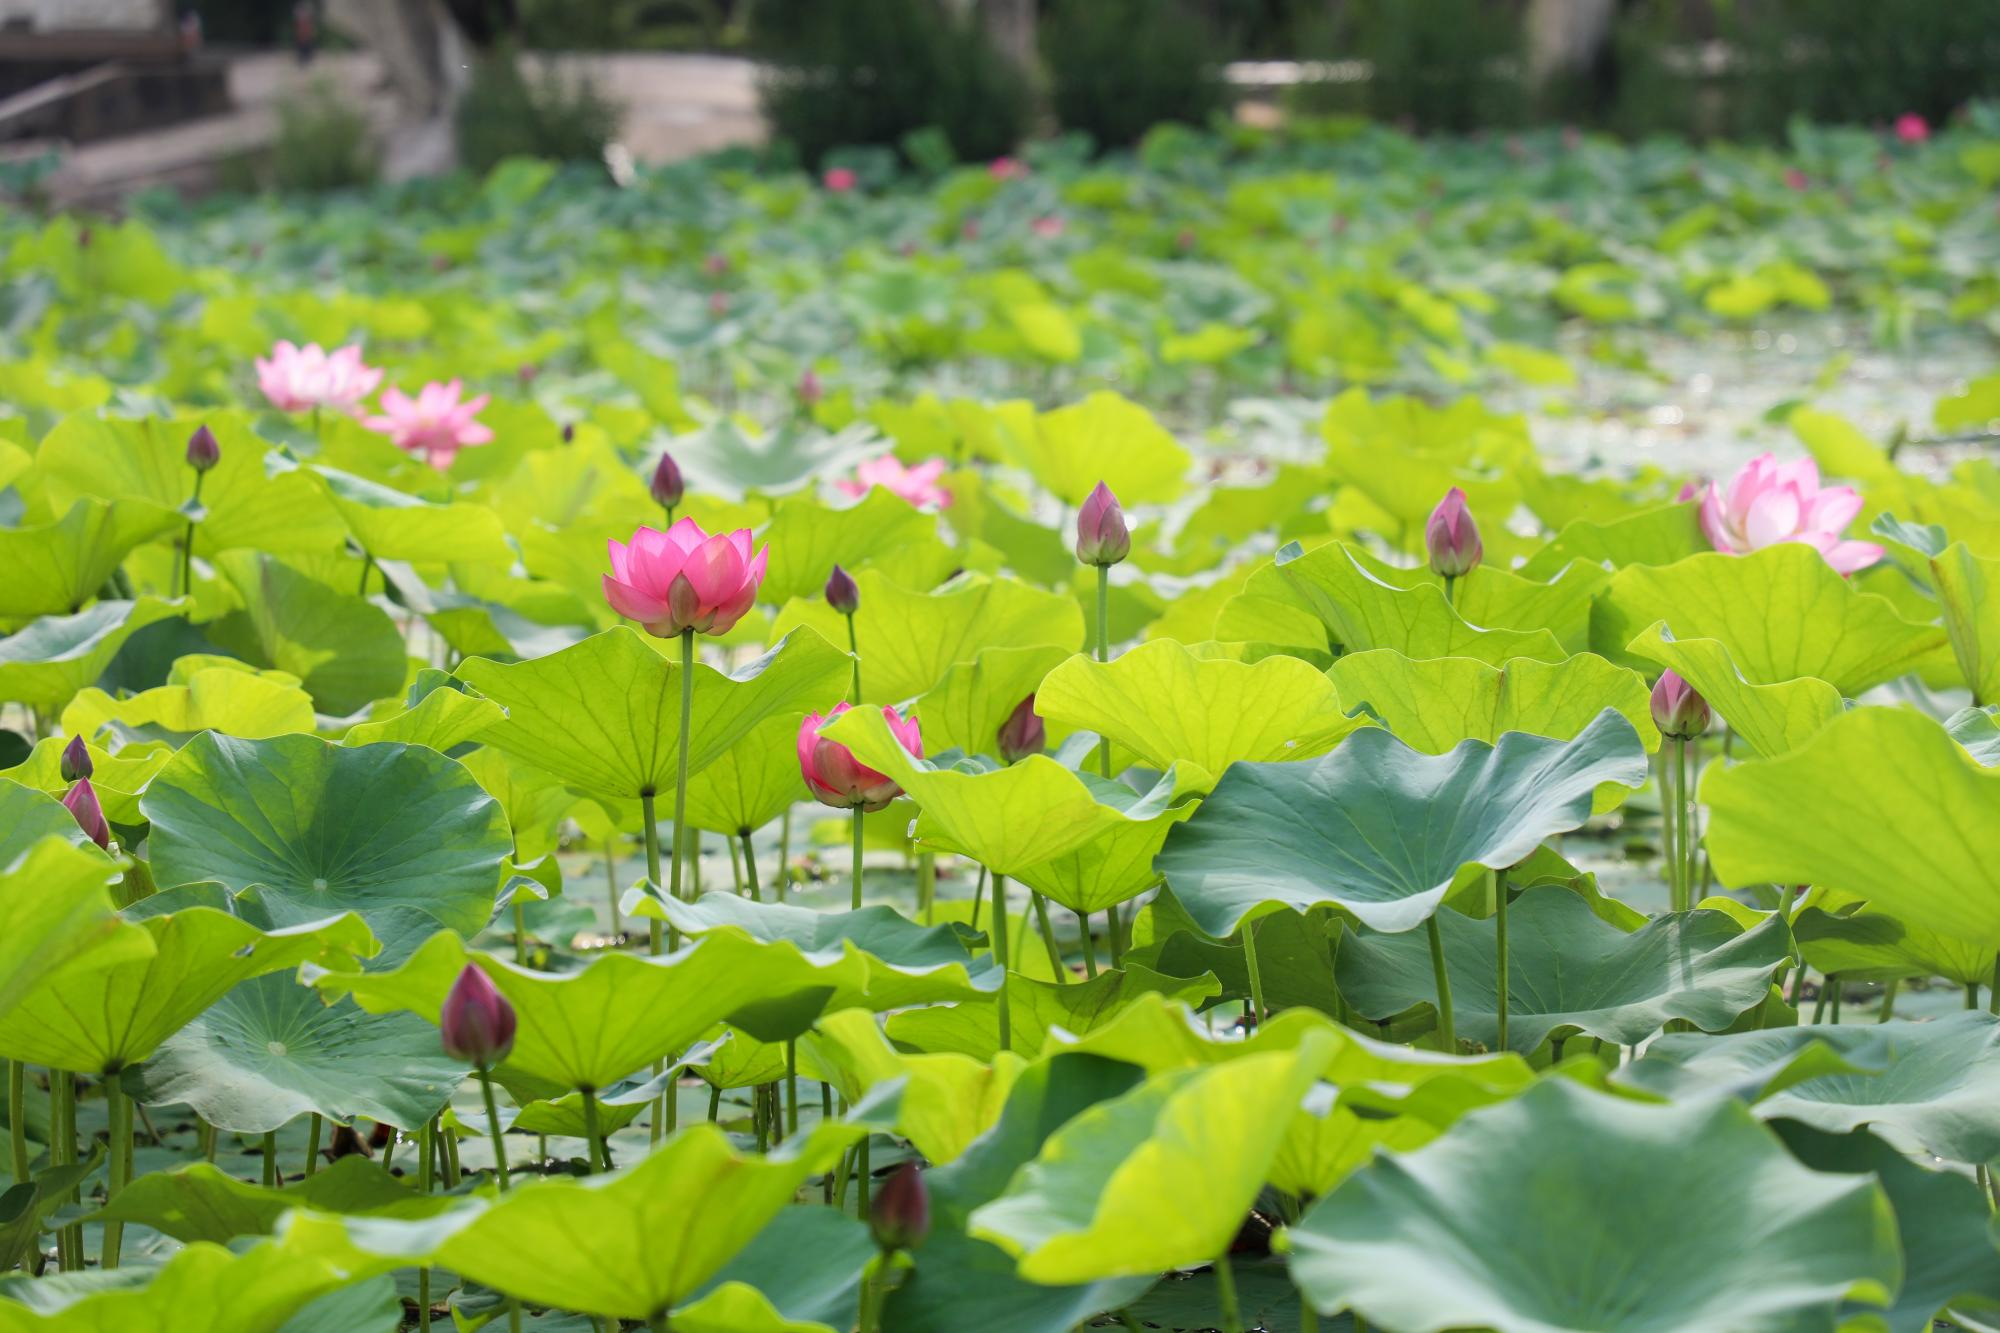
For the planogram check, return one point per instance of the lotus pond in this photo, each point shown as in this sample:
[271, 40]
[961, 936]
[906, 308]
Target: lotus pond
[1285, 733]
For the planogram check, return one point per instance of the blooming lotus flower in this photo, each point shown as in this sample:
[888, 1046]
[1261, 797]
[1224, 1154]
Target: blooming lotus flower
[75, 763]
[1679, 711]
[1023, 733]
[840, 179]
[916, 484]
[1796, 179]
[1101, 535]
[900, 1213]
[298, 379]
[684, 579]
[1912, 128]
[1770, 502]
[836, 778]
[1005, 168]
[477, 1022]
[1452, 538]
[435, 423]
[81, 801]
[1048, 227]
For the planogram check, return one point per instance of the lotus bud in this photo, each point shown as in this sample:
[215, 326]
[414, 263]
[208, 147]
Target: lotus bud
[900, 1216]
[1453, 538]
[203, 452]
[1101, 535]
[810, 389]
[668, 487]
[477, 1023]
[1022, 734]
[81, 801]
[75, 763]
[841, 594]
[569, 432]
[1679, 712]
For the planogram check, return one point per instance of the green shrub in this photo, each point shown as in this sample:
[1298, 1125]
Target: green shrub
[505, 114]
[1450, 65]
[874, 71]
[323, 143]
[1119, 67]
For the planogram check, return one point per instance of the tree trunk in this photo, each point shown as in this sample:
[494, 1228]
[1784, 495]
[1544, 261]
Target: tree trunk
[426, 62]
[1566, 36]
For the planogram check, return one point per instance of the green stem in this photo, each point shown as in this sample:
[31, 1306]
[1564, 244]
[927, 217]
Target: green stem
[750, 869]
[1500, 945]
[185, 584]
[927, 885]
[854, 661]
[1889, 1000]
[62, 1152]
[593, 1133]
[389, 1152]
[1256, 981]
[714, 1102]
[1111, 933]
[493, 1124]
[681, 770]
[1450, 590]
[120, 1108]
[784, 853]
[367, 568]
[1225, 1295]
[17, 1117]
[1104, 653]
[611, 886]
[656, 941]
[858, 813]
[1972, 995]
[1819, 1005]
[1447, 1033]
[449, 1142]
[735, 866]
[312, 1143]
[1670, 806]
[271, 1158]
[1089, 946]
[1834, 984]
[1000, 955]
[520, 933]
[1690, 825]
[1993, 991]
[861, 1178]
[1041, 906]
[978, 894]
[791, 1087]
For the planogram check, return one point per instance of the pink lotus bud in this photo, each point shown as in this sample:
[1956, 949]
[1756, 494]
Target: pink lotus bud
[900, 1215]
[1796, 179]
[1022, 734]
[841, 594]
[836, 778]
[1101, 535]
[715, 265]
[81, 801]
[1678, 711]
[668, 487]
[75, 763]
[1048, 227]
[477, 1023]
[1912, 128]
[840, 179]
[569, 432]
[810, 390]
[1453, 538]
[203, 452]
[684, 579]
[1690, 490]
[1004, 168]
[718, 304]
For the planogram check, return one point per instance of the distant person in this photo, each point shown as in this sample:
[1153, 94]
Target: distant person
[305, 30]
[190, 32]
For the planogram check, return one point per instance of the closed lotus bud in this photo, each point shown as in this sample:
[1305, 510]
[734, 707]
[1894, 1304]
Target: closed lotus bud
[1023, 734]
[76, 763]
[203, 452]
[900, 1216]
[1453, 538]
[477, 1023]
[569, 432]
[81, 801]
[841, 594]
[810, 389]
[1101, 535]
[668, 487]
[1678, 711]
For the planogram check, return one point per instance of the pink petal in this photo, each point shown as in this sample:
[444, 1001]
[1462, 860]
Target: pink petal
[1833, 508]
[1773, 517]
[632, 603]
[686, 534]
[715, 570]
[1847, 557]
[1713, 523]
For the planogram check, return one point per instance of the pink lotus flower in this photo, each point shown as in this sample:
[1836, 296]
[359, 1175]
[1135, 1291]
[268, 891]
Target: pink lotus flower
[1770, 502]
[298, 379]
[836, 778]
[684, 579]
[1912, 128]
[1048, 227]
[916, 484]
[434, 423]
[840, 180]
[1796, 179]
[1005, 168]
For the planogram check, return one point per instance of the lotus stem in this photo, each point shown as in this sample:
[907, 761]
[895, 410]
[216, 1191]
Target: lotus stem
[367, 568]
[389, 1152]
[520, 932]
[1111, 933]
[1690, 825]
[978, 892]
[854, 662]
[17, 1117]
[1833, 984]
[1104, 654]
[926, 884]
[1089, 945]
[1056, 964]
[1670, 850]
[1225, 1295]
[1256, 981]
[735, 866]
[62, 1152]
[750, 868]
[1993, 991]
[1447, 1032]
[656, 936]
[859, 813]
[493, 1123]
[784, 853]
[791, 1086]
[120, 1108]
[1889, 1000]
[861, 1177]
[681, 771]
[611, 886]
[714, 1102]
[185, 583]
[1499, 887]
[1826, 984]
[426, 1143]
[312, 1143]
[593, 1132]
[1972, 995]
[271, 1158]
[1000, 954]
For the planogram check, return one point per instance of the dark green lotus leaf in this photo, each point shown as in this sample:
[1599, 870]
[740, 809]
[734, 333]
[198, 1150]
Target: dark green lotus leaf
[201, 1202]
[46, 662]
[1862, 945]
[1565, 1209]
[320, 828]
[344, 649]
[803, 1271]
[28, 816]
[1382, 830]
[369, 1306]
[1569, 971]
[1936, 1082]
[1295, 953]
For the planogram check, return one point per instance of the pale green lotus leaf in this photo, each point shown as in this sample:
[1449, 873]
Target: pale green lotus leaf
[54, 568]
[118, 779]
[965, 709]
[395, 525]
[344, 650]
[1968, 586]
[752, 783]
[1361, 611]
[1771, 718]
[56, 919]
[807, 538]
[1106, 438]
[235, 702]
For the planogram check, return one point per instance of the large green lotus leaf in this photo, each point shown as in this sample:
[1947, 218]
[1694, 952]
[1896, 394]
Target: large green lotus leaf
[802, 1274]
[439, 713]
[725, 458]
[1330, 1139]
[964, 1285]
[245, 502]
[346, 651]
[199, 1202]
[1569, 971]
[1295, 953]
[630, 1243]
[1492, 597]
[271, 1050]
[1630, 1229]
[875, 958]
[231, 700]
[1882, 804]
[44, 664]
[1157, 1178]
[1655, 537]
[1169, 705]
[28, 816]
[391, 524]
[1782, 613]
[321, 828]
[1403, 453]
[1433, 705]
[1873, 946]
[988, 512]
[56, 917]
[1362, 611]
[751, 783]
[54, 568]
[808, 538]
[909, 640]
[1968, 586]
[965, 709]
[604, 715]
[1382, 830]
[534, 801]
[1012, 819]
[1943, 1222]
[1933, 1083]
[98, 1020]
[1771, 718]
[373, 1305]
[1036, 1009]
[1978, 730]
[948, 1098]
[1106, 438]
[202, 1286]
[1112, 867]
[118, 779]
